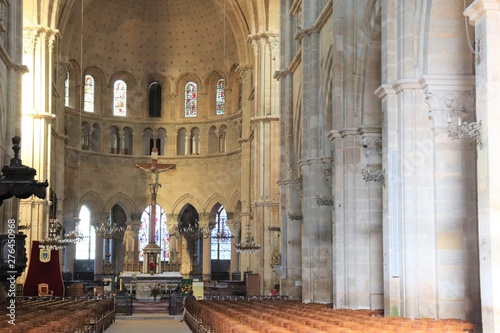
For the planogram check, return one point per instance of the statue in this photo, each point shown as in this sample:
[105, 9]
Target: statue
[129, 239]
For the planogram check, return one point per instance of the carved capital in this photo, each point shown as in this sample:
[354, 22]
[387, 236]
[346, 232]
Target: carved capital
[450, 106]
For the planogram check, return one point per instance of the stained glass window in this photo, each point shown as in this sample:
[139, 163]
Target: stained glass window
[220, 247]
[220, 98]
[162, 238]
[190, 99]
[85, 249]
[155, 99]
[66, 90]
[120, 98]
[88, 94]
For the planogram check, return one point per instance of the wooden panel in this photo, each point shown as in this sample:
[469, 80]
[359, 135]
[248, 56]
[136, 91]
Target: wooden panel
[253, 285]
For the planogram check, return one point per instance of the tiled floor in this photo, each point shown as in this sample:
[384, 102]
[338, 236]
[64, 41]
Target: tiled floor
[148, 324]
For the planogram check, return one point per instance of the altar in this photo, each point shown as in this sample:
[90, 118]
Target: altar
[141, 284]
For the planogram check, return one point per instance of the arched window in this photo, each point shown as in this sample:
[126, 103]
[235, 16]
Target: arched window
[220, 98]
[190, 99]
[85, 249]
[162, 238]
[222, 139]
[120, 98]
[220, 247]
[66, 90]
[96, 138]
[114, 140]
[182, 142]
[213, 145]
[128, 141]
[155, 100]
[147, 141]
[195, 141]
[88, 94]
[161, 139]
[85, 136]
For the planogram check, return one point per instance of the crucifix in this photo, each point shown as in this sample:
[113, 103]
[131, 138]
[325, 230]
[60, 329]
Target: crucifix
[152, 249]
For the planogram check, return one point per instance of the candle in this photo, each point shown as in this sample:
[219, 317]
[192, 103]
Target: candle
[459, 121]
[449, 118]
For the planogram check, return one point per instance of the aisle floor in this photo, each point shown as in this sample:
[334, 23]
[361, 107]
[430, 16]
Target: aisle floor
[149, 324]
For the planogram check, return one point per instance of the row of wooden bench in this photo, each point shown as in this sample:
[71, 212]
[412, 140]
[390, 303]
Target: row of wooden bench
[58, 316]
[279, 316]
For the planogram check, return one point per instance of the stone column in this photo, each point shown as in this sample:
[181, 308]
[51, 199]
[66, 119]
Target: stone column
[99, 267]
[205, 246]
[485, 16]
[207, 268]
[37, 120]
[235, 227]
[69, 251]
[291, 250]
[265, 124]
[317, 221]
[450, 100]
[246, 158]
[120, 141]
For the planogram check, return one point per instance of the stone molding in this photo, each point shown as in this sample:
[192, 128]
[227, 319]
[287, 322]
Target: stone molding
[77, 156]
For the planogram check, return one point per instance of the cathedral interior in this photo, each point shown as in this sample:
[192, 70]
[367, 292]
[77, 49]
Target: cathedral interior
[334, 150]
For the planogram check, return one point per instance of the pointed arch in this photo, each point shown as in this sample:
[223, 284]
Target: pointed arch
[93, 202]
[123, 201]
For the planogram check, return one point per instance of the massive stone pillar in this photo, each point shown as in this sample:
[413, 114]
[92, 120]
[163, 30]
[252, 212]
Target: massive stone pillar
[37, 121]
[265, 124]
[235, 227]
[291, 256]
[315, 164]
[485, 15]
[246, 159]
[206, 258]
[451, 102]
[100, 249]
[69, 251]
[428, 208]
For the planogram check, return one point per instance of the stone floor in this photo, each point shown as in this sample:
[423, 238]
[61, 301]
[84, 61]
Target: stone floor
[153, 323]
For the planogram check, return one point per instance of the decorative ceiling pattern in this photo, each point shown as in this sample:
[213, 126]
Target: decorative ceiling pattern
[174, 36]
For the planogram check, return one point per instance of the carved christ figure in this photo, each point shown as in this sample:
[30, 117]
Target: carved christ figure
[154, 169]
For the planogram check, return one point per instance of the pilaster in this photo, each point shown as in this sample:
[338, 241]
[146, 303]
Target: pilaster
[485, 16]
[316, 244]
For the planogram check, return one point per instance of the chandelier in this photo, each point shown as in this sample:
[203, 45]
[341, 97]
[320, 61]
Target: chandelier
[373, 176]
[107, 230]
[222, 234]
[75, 235]
[465, 130]
[194, 231]
[54, 241]
[248, 246]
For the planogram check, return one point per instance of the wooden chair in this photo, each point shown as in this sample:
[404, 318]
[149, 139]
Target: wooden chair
[44, 291]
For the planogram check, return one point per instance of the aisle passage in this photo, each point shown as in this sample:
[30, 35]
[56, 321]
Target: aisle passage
[149, 325]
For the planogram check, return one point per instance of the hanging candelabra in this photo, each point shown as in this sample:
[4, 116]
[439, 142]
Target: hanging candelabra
[194, 231]
[465, 130]
[222, 234]
[248, 246]
[75, 235]
[55, 241]
[108, 231]
[373, 176]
